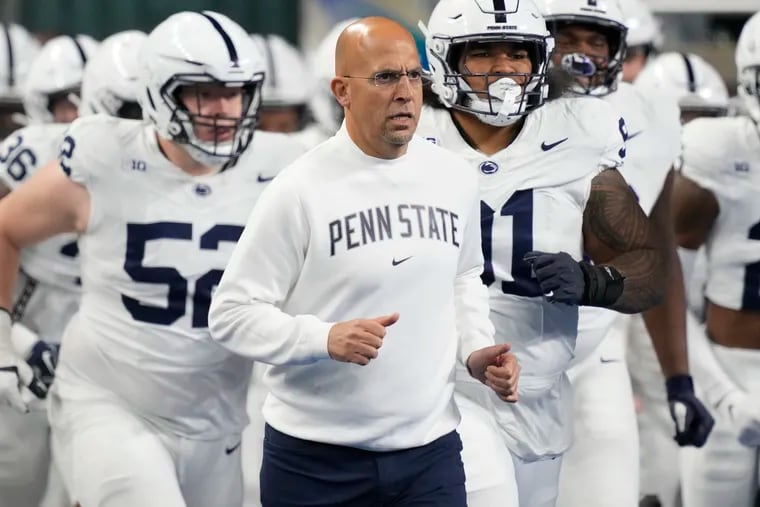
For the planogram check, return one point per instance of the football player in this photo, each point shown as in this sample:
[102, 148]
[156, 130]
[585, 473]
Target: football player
[287, 87]
[695, 84]
[549, 182]
[700, 92]
[716, 205]
[643, 39]
[47, 292]
[142, 392]
[590, 45]
[51, 90]
[328, 114]
[18, 50]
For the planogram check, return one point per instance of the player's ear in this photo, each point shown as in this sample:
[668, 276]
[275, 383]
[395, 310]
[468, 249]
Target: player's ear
[339, 87]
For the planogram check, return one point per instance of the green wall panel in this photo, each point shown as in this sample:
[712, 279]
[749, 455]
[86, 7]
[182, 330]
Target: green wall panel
[101, 18]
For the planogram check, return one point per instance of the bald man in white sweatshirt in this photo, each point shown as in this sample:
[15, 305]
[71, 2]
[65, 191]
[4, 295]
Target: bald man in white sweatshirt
[372, 223]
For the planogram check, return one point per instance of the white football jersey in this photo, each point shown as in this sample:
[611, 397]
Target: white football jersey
[533, 194]
[154, 249]
[723, 155]
[652, 139]
[53, 261]
[652, 133]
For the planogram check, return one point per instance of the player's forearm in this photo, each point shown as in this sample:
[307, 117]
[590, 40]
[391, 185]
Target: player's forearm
[666, 323]
[644, 285]
[9, 265]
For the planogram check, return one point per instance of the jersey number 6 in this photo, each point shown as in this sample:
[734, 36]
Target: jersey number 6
[138, 235]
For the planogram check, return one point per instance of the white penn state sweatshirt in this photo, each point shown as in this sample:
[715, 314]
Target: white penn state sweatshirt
[341, 235]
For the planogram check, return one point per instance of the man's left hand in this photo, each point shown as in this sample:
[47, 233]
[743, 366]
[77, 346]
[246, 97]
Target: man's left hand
[497, 368]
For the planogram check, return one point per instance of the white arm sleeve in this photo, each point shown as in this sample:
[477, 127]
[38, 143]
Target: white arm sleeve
[245, 315]
[470, 295]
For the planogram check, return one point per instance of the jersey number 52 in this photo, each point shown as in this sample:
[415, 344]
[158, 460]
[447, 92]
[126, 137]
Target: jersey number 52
[138, 236]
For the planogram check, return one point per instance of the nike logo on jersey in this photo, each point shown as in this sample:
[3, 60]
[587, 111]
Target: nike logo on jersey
[604, 360]
[230, 450]
[397, 262]
[547, 147]
[262, 179]
[741, 167]
[633, 135]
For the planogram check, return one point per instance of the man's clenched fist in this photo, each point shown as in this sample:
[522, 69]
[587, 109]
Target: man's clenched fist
[357, 341]
[497, 368]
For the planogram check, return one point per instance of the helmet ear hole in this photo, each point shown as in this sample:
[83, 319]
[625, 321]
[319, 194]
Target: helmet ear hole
[174, 128]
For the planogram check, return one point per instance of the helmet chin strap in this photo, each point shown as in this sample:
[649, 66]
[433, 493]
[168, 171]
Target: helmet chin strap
[504, 93]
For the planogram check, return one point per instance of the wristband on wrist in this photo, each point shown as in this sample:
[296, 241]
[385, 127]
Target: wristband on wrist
[604, 285]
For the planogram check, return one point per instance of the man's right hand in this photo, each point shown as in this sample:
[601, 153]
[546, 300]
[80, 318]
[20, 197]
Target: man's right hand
[357, 341]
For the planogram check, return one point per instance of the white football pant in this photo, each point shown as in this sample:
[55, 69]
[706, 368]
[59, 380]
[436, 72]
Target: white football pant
[24, 456]
[538, 481]
[725, 472]
[601, 468]
[490, 475]
[111, 457]
[659, 463]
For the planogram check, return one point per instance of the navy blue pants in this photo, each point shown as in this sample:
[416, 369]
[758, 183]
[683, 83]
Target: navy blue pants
[297, 473]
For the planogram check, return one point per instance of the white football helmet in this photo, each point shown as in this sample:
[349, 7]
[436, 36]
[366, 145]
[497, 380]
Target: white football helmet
[748, 66]
[456, 24]
[325, 108]
[189, 48]
[643, 29]
[57, 71]
[690, 80]
[18, 50]
[110, 84]
[287, 82]
[604, 16]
